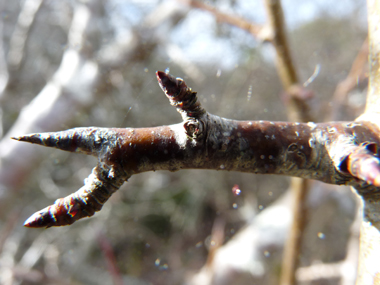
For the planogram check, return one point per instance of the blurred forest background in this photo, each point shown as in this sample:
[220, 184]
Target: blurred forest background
[66, 64]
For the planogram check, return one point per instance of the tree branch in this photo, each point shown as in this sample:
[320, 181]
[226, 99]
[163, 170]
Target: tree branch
[17, 44]
[202, 141]
[369, 272]
[285, 65]
[373, 98]
[256, 30]
[357, 74]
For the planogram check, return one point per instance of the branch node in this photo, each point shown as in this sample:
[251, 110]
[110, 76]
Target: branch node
[194, 128]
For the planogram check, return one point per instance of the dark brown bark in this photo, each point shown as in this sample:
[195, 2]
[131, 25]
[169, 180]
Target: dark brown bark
[205, 141]
[307, 150]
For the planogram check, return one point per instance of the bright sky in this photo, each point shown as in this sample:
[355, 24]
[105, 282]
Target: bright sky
[200, 26]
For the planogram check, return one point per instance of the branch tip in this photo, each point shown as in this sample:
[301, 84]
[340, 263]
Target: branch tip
[180, 95]
[363, 163]
[32, 138]
[37, 220]
[169, 84]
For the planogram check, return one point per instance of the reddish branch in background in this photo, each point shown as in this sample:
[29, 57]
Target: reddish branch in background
[336, 152]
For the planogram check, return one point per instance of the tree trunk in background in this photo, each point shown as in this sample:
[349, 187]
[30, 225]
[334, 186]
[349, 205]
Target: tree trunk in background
[369, 258]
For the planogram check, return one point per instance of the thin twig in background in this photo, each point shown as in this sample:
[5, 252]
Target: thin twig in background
[166, 12]
[292, 249]
[107, 250]
[285, 65]
[8, 227]
[256, 30]
[298, 110]
[274, 31]
[18, 41]
[207, 273]
[356, 75]
[4, 73]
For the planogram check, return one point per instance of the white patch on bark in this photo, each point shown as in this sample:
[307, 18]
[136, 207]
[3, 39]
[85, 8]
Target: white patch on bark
[341, 148]
[179, 134]
[312, 125]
